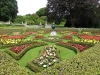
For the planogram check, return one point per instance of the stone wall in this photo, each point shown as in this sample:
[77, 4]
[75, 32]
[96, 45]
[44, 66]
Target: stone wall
[2, 22]
[47, 26]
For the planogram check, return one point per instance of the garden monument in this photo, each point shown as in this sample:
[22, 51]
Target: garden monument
[53, 32]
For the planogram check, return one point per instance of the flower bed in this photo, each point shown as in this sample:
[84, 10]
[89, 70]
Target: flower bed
[78, 46]
[47, 57]
[72, 33]
[90, 37]
[16, 33]
[52, 39]
[18, 51]
[67, 37]
[82, 34]
[38, 37]
[74, 46]
[88, 33]
[32, 33]
[3, 34]
[14, 37]
[10, 41]
[86, 41]
[63, 32]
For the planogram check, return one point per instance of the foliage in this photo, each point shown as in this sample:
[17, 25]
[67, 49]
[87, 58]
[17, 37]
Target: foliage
[31, 19]
[19, 19]
[77, 13]
[43, 18]
[85, 63]
[62, 23]
[41, 12]
[9, 67]
[8, 10]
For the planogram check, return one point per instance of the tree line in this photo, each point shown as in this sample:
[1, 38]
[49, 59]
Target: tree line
[32, 19]
[71, 13]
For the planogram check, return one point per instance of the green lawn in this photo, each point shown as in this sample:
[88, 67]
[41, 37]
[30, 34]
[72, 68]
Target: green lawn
[29, 56]
[66, 53]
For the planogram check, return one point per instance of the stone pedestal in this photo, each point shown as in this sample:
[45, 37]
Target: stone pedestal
[53, 33]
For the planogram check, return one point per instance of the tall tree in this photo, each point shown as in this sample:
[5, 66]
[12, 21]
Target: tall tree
[41, 12]
[77, 13]
[8, 9]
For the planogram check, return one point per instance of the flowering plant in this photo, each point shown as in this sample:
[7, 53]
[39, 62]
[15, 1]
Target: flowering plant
[48, 57]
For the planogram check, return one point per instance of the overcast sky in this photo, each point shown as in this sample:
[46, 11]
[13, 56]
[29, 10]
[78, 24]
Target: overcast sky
[30, 6]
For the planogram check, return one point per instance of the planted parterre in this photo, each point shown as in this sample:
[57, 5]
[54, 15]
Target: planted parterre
[39, 52]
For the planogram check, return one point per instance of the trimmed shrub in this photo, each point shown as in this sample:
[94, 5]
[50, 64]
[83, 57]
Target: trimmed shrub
[8, 66]
[33, 67]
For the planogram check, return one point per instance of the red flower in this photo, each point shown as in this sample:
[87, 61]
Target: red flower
[67, 37]
[90, 37]
[18, 49]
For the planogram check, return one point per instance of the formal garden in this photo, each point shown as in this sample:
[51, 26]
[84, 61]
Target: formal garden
[61, 38]
[29, 51]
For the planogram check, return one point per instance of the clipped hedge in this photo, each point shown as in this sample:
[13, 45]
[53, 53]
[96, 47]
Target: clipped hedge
[84, 63]
[69, 47]
[10, 30]
[20, 54]
[33, 67]
[82, 43]
[8, 66]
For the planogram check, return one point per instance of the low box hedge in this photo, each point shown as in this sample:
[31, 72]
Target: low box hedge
[82, 43]
[20, 54]
[33, 67]
[69, 47]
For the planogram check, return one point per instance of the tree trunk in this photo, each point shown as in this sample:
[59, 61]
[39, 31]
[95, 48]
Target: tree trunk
[68, 23]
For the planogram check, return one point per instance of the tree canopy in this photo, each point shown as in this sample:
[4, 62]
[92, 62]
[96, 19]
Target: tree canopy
[8, 9]
[41, 12]
[77, 13]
